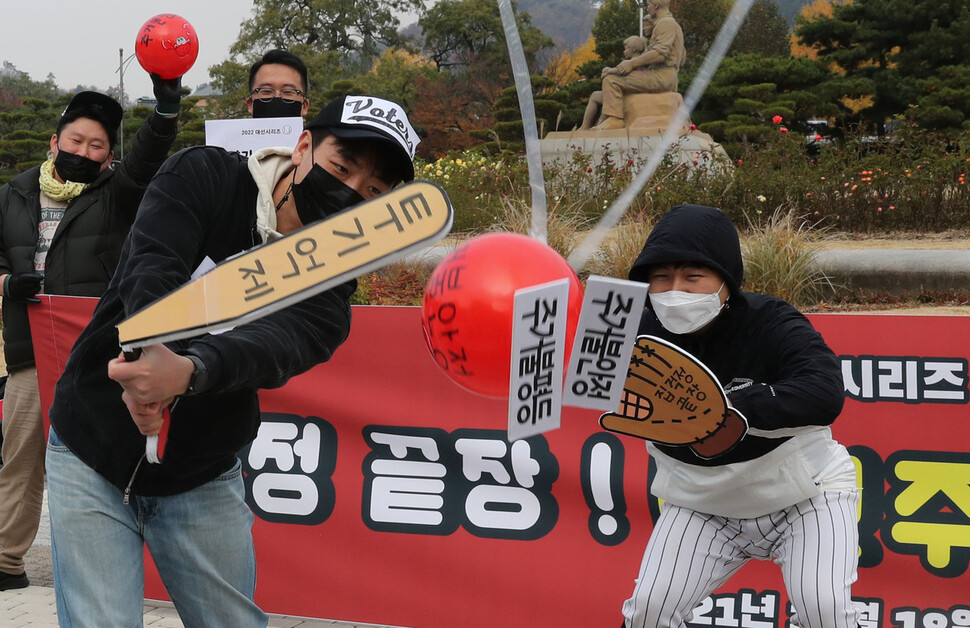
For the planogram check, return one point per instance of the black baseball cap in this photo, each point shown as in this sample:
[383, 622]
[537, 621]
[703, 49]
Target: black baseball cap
[100, 107]
[353, 117]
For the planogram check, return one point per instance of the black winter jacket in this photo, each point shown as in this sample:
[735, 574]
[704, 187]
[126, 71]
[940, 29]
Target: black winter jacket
[776, 368]
[88, 240]
[201, 204]
[778, 371]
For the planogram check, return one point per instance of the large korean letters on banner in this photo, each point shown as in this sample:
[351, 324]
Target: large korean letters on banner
[384, 493]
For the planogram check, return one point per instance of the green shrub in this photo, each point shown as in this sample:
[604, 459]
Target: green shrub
[783, 198]
[914, 181]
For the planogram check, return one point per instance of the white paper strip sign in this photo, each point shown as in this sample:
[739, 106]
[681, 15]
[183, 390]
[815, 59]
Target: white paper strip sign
[246, 135]
[538, 359]
[604, 342]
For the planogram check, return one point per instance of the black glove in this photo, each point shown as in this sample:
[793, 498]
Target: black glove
[22, 286]
[168, 94]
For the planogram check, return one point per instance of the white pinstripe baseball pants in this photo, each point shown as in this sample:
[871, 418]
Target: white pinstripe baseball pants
[691, 554]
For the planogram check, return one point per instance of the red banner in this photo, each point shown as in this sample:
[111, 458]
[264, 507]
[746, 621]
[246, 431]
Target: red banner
[386, 494]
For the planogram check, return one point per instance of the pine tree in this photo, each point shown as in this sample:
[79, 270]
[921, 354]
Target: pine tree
[913, 51]
[29, 111]
[748, 91]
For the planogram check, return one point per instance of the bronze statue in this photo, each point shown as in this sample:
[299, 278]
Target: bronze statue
[653, 71]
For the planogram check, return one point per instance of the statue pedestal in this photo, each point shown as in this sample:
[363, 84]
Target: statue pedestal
[634, 143]
[651, 113]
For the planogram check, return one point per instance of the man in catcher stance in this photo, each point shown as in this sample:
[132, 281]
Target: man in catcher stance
[106, 501]
[787, 492]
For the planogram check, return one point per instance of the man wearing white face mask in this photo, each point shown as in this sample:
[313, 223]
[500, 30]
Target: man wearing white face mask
[787, 492]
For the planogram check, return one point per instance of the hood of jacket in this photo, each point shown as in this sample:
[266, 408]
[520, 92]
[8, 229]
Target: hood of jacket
[268, 166]
[694, 233]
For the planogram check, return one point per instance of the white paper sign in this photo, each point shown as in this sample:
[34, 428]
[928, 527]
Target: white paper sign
[246, 135]
[604, 342]
[538, 359]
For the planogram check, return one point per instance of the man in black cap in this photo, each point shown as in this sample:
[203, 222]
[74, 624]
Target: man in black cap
[205, 205]
[62, 225]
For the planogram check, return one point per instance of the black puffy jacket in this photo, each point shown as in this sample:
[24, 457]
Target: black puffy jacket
[88, 240]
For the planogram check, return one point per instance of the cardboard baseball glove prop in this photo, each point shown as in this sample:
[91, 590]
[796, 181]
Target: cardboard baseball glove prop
[671, 398]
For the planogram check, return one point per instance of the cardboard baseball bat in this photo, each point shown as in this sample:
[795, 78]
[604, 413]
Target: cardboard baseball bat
[297, 266]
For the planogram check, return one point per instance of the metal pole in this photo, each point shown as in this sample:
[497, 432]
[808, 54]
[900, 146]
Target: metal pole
[121, 86]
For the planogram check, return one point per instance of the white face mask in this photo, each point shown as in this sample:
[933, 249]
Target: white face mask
[685, 312]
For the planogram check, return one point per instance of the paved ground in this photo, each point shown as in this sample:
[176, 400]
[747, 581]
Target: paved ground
[35, 606]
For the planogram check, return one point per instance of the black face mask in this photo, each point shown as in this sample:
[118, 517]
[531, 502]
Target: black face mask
[276, 108]
[320, 194]
[75, 168]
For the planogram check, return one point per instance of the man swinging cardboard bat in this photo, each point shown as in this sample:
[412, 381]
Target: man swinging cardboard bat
[205, 206]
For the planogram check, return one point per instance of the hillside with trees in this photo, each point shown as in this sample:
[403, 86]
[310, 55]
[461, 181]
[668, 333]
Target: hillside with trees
[789, 9]
[567, 22]
[855, 64]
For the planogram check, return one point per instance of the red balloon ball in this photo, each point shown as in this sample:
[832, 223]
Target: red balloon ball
[468, 306]
[167, 45]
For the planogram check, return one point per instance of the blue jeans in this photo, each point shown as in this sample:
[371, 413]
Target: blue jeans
[201, 542]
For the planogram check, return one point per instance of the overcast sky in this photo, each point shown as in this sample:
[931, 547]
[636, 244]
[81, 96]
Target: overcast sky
[78, 40]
